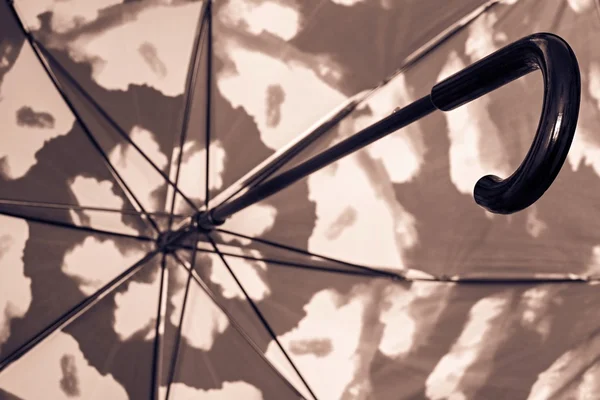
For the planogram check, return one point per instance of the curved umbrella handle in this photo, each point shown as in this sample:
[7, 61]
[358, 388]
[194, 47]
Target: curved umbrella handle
[562, 92]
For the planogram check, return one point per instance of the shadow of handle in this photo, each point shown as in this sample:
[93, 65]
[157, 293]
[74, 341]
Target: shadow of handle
[562, 93]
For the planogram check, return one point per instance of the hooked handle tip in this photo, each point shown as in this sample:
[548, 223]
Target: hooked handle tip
[562, 92]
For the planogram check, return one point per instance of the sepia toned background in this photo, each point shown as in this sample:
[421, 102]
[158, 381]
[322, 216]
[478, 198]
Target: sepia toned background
[305, 257]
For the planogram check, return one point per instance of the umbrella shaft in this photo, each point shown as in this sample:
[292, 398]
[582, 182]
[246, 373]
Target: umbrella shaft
[283, 156]
[378, 130]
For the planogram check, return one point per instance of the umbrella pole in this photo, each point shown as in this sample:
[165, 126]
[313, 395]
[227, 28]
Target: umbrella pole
[399, 119]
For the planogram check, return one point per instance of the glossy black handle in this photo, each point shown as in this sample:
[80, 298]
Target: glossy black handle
[562, 93]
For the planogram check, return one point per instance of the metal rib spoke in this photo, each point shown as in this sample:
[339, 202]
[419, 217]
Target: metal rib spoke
[175, 356]
[159, 330]
[262, 318]
[370, 270]
[109, 119]
[75, 227]
[209, 101]
[189, 97]
[77, 207]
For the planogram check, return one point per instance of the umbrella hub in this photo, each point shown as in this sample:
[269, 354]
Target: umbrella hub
[169, 241]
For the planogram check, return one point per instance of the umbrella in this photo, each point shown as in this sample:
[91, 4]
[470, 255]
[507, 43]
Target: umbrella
[375, 277]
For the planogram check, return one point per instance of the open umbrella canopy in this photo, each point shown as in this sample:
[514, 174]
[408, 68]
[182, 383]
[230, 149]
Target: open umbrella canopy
[377, 277]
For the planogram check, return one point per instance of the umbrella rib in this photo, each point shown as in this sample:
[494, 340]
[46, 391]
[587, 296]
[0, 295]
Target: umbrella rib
[208, 112]
[160, 315]
[366, 271]
[373, 271]
[189, 93]
[262, 318]
[235, 324]
[32, 42]
[81, 308]
[292, 264]
[466, 280]
[457, 279]
[189, 97]
[90, 136]
[68, 207]
[115, 125]
[173, 365]
[576, 279]
[75, 227]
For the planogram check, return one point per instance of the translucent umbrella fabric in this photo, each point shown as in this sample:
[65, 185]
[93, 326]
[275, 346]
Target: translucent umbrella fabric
[332, 289]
